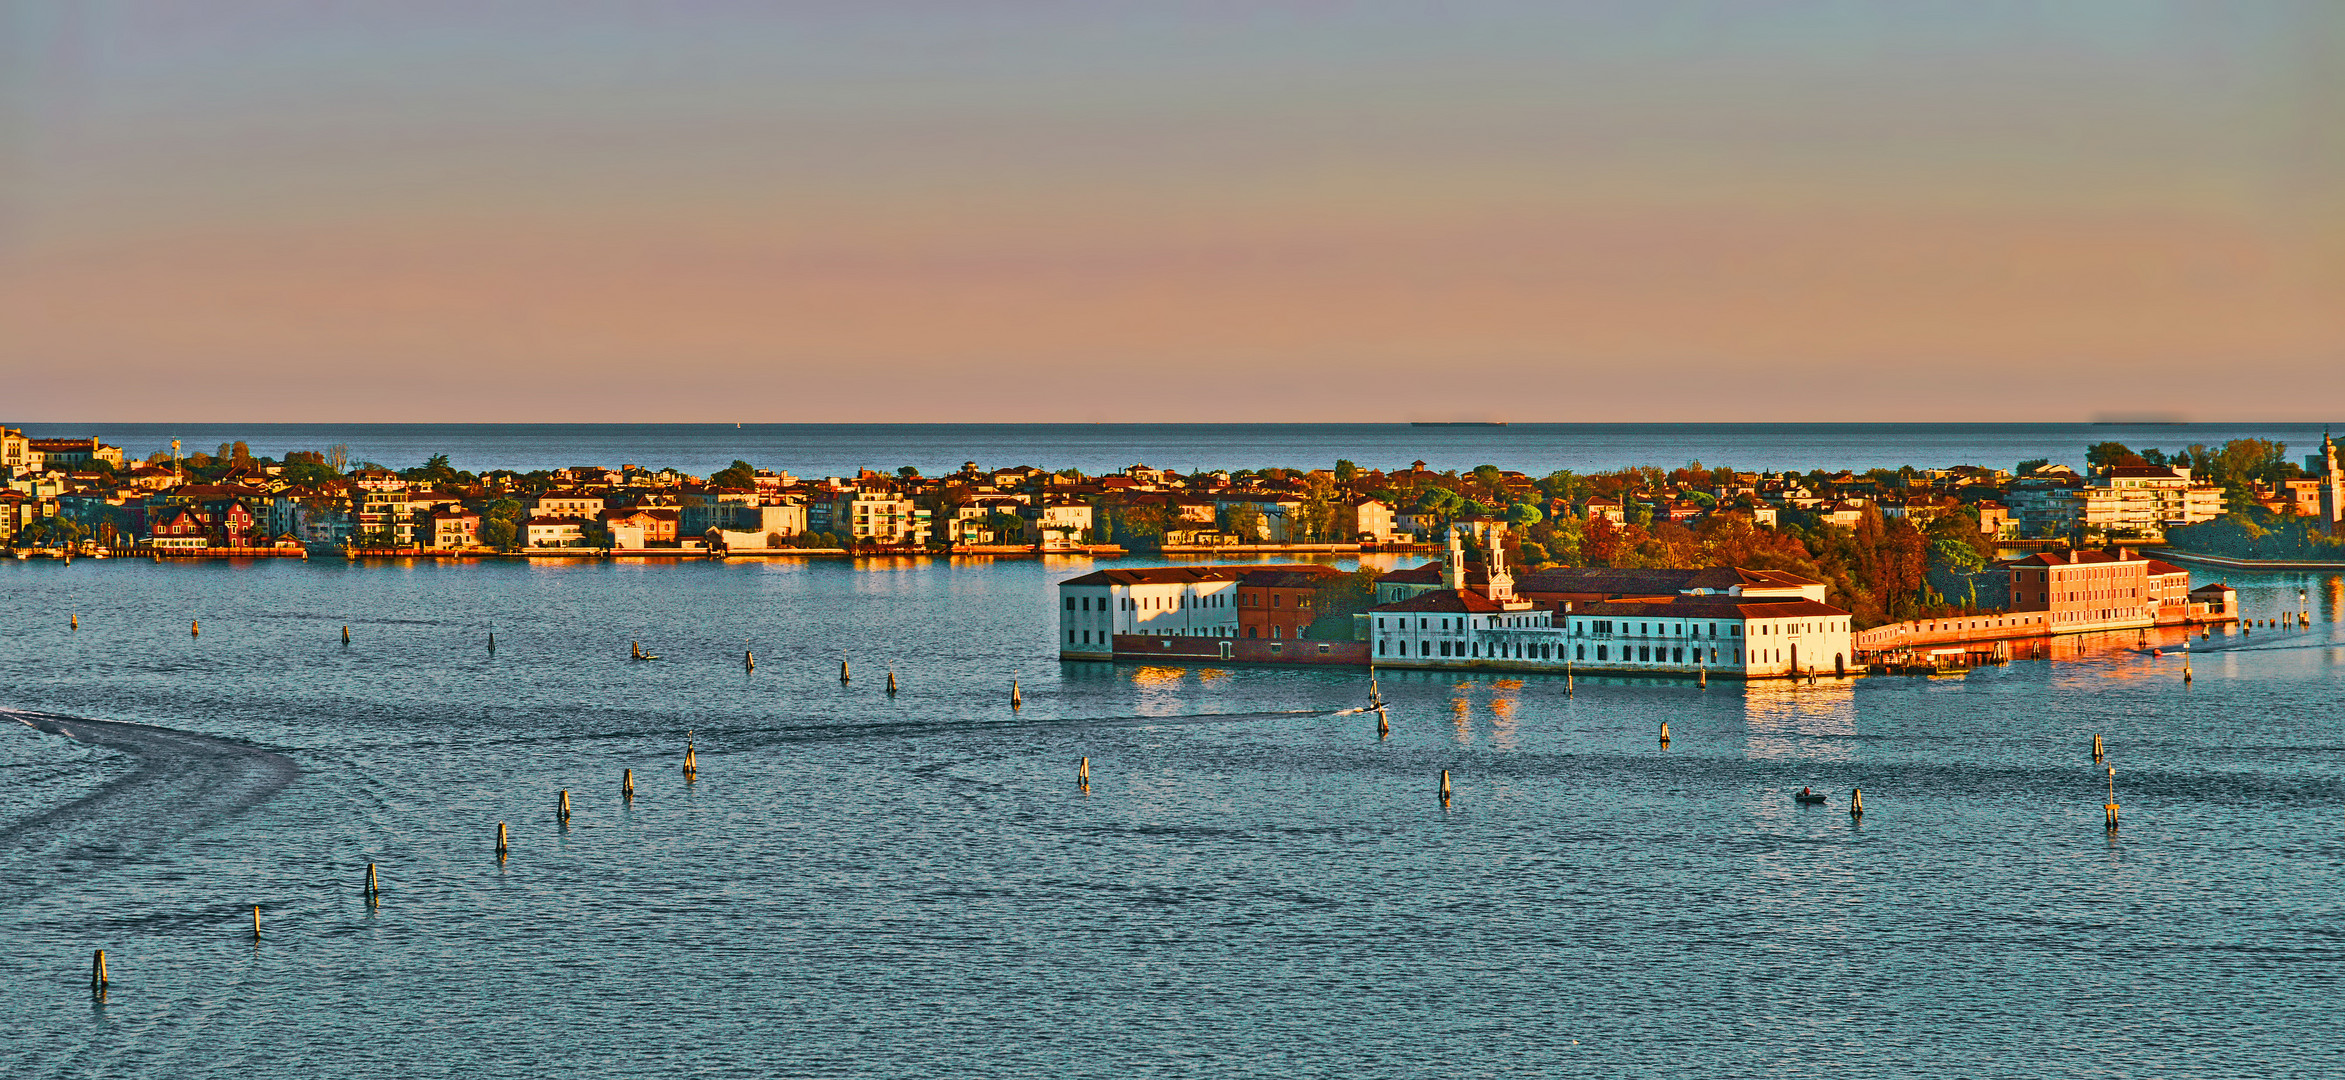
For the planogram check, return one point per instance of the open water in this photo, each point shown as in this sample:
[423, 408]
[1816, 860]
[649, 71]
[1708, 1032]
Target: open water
[912, 886]
[843, 449]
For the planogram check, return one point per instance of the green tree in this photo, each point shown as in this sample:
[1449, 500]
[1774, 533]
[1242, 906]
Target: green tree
[1243, 520]
[2111, 455]
[497, 532]
[1491, 481]
[1524, 515]
[1005, 525]
[1144, 522]
[740, 474]
[1337, 599]
[434, 470]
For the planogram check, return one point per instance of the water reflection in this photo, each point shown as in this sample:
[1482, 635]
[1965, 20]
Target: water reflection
[1790, 721]
[1503, 706]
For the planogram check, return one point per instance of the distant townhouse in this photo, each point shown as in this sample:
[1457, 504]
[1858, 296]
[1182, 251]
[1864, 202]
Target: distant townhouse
[871, 516]
[641, 527]
[181, 528]
[568, 504]
[742, 526]
[15, 451]
[1058, 525]
[975, 520]
[2134, 501]
[66, 453]
[544, 531]
[1995, 520]
[377, 480]
[2328, 467]
[454, 528]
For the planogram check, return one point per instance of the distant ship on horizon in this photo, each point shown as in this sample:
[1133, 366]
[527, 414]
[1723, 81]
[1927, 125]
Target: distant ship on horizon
[1457, 423]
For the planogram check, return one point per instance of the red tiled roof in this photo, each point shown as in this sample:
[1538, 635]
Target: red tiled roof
[1292, 577]
[1448, 601]
[1168, 575]
[1711, 607]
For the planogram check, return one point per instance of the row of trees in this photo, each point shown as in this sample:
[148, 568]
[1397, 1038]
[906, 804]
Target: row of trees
[1880, 570]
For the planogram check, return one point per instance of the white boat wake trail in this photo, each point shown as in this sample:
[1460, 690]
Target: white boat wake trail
[181, 784]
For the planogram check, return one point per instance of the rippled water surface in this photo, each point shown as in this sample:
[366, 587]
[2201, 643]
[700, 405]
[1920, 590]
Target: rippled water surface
[861, 884]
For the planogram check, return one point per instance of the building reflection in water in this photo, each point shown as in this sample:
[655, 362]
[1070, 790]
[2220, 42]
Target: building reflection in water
[1504, 702]
[1785, 720]
[1161, 690]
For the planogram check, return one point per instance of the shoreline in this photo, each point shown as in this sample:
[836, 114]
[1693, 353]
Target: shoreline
[2230, 563]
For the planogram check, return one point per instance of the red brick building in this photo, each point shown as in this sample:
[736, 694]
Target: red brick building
[1280, 604]
[2090, 590]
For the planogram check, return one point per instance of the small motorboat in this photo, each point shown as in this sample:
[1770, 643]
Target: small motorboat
[1808, 797]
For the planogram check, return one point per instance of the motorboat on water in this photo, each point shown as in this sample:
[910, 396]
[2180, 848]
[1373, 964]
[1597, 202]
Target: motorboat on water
[1808, 797]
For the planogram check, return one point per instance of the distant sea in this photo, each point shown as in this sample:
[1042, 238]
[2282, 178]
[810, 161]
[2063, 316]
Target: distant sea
[842, 449]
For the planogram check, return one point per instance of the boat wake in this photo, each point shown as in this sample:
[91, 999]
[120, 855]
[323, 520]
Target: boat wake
[181, 783]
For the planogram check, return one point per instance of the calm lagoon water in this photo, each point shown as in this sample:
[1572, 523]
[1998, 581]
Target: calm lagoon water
[861, 885]
[843, 449]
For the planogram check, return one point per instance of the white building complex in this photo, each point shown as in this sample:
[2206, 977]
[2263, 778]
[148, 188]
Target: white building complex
[1727, 623]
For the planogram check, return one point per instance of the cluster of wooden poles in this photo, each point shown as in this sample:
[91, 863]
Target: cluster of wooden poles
[1376, 704]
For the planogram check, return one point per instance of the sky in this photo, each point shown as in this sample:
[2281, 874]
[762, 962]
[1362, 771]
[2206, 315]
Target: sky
[1091, 210]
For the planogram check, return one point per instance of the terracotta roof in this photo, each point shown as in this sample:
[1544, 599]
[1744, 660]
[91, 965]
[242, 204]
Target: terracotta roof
[1448, 601]
[1428, 574]
[1711, 607]
[2074, 558]
[1168, 575]
[1294, 577]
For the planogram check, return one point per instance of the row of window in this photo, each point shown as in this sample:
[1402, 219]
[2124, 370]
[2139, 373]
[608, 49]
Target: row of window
[1518, 650]
[1150, 603]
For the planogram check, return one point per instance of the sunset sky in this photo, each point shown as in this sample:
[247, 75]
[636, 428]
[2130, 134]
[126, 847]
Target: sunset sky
[1091, 210]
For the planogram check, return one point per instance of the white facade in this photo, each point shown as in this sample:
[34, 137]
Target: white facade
[1728, 639]
[1096, 607]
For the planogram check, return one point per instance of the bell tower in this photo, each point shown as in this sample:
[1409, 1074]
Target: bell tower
[2332, 480]
[1453, 571]
[1501, 587]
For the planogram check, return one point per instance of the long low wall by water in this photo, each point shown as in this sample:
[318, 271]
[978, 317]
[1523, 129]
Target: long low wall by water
[1237, 650]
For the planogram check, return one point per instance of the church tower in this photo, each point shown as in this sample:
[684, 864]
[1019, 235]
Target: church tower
[2332, 479]
[1501, 586]
[1453, 572]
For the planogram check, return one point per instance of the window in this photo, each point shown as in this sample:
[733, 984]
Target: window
[1071, 603]
[1600, 652]
[1679, 655]
[1582, 653]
